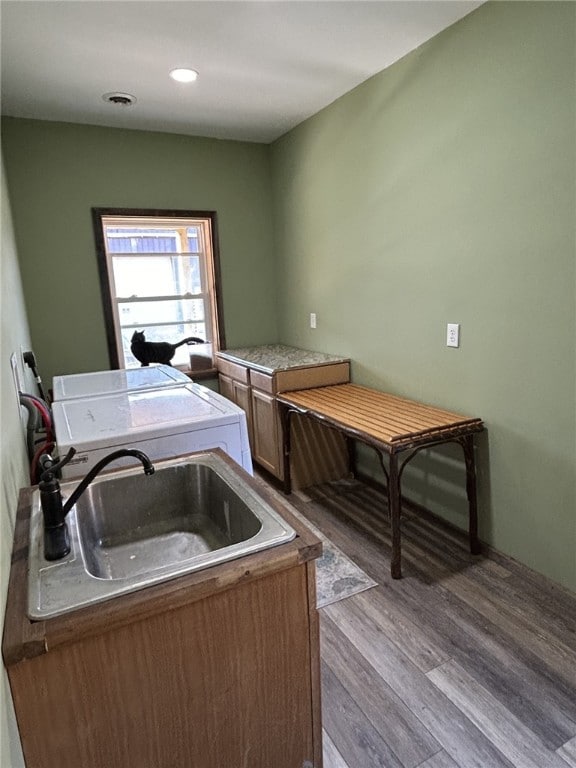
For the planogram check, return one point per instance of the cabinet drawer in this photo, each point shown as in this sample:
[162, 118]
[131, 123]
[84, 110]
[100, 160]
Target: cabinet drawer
[316, 376]
[263, 381]
[235, 371]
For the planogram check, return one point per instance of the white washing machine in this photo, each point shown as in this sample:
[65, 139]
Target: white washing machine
[124, 380]
[162, 422]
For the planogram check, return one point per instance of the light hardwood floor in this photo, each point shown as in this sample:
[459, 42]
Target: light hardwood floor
[466, 661]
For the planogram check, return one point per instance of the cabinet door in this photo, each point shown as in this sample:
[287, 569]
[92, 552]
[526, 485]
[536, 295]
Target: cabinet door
[239, 393]
[242, 398]
[226, 386]
[267, 443]
[195, 694]
[242, 395]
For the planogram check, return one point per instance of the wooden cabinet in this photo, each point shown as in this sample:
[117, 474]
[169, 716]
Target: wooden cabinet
[236, 391]
[318, 454]
[208, 670]
[239, 393]
[266, 443]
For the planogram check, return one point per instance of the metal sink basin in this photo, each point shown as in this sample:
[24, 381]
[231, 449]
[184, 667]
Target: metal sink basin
[129, 531]
[129, 526]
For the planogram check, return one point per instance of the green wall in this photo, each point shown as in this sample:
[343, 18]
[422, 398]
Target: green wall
[58, 171]
[443, 190]
[14, 339]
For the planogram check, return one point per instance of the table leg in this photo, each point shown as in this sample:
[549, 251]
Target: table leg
[394, 507]
[468, 447]
[351, 452]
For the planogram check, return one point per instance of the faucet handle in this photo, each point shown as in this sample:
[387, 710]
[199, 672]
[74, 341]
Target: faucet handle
[56, 537]
[50, 466]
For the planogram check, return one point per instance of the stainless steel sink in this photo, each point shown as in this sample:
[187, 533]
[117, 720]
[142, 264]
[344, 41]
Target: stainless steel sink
[129, 531]
[129, 526]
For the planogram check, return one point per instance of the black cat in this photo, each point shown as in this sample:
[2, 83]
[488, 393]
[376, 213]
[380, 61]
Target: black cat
[147, 352]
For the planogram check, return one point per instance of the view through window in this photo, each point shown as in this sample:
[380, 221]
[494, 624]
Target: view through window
[159, 275]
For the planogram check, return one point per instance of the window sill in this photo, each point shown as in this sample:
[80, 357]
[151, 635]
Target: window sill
[207, 373]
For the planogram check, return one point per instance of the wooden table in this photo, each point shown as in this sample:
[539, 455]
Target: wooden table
[393, 426]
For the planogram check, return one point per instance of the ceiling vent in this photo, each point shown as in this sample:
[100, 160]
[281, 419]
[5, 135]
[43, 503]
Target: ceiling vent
[121, 99]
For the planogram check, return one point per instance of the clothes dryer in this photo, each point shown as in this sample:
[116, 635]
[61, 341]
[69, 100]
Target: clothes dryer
[163, 422]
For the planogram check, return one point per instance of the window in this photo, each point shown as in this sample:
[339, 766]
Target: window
[159, 274]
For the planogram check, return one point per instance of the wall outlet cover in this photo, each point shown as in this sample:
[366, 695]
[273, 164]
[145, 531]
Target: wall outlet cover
[453, 335]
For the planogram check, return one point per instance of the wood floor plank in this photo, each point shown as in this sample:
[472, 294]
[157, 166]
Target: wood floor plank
[499, 725]
[480, 650]
[461, 740]
[410, 741]
[508, 672]
[544, 603]
[514, 671]
[416, 641]
[541, 605]
[511, 672]
[331, 757]
[543, 644]
[439, 760]
[568, 752]
[356, 739]
[538, 616]
[549, 599]
[554, 595]
[514, 603]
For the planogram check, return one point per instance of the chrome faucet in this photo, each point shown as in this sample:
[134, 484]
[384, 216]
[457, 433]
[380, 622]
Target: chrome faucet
[56, 537]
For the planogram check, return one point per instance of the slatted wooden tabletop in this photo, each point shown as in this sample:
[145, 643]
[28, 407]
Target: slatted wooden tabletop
[390, 420]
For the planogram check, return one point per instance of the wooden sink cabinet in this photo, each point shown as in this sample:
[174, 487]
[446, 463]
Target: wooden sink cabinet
[214, 669]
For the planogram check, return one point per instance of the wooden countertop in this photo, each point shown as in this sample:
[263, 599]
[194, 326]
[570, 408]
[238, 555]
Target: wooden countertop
[24, 638]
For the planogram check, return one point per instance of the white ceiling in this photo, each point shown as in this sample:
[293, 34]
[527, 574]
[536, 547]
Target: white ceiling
[263, 66]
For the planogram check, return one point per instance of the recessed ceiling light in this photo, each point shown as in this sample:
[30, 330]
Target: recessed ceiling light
[184, 75]
[121, 99]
